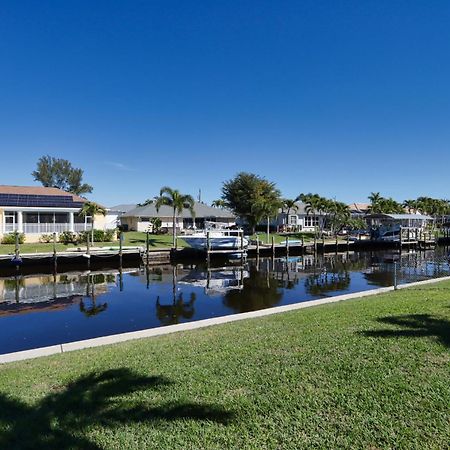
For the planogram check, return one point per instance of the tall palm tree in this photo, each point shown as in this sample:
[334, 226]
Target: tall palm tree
[289, 204]
[92, 209]
[375, 198]
[177, 201]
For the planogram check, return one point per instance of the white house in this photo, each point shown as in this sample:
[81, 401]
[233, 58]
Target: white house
[37, 210]
[299, 219]
[113, 215]
[138, 219]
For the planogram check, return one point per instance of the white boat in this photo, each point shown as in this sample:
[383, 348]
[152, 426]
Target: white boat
[217, 238]
[216, 281]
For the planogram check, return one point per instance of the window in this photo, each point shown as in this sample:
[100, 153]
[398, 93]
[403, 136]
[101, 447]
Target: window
[292, 220]
[311, 221]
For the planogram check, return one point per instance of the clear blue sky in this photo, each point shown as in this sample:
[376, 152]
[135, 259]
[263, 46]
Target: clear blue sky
[335, 97]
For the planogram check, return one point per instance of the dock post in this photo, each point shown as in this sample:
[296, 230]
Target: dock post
[88, 250]
[287, 245]
[323, 243]
[120, 248]
[54, 250]
[208, 245]
[147, 245]
[273, 246]
[337, 242]
[303, 243]
[315, 243]
[257, 245]
[17, 248]
[348, 242]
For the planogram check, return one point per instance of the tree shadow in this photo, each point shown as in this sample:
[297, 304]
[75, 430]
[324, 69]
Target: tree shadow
[414, 325]
[60, 420]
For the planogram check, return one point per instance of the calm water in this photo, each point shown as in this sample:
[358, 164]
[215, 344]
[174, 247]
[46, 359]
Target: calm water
[37, 311]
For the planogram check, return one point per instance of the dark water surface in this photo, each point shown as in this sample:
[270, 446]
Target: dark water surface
[44, 310]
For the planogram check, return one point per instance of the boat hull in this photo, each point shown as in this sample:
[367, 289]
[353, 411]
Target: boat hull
[216, 243]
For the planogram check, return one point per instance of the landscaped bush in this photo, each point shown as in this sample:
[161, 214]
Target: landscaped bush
[99, 235]
[67, 237]
[11, 238]
[46, 238]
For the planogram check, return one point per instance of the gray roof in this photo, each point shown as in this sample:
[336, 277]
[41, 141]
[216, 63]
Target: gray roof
[301, 209]
[201, 211]
[399, 216]
[122, 208]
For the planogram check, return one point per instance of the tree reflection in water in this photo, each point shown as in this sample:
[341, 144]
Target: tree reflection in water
[179, 309]
[260, 291]
[327, 282]
[88, 305]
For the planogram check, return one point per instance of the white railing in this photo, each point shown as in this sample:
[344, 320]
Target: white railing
[43, 228]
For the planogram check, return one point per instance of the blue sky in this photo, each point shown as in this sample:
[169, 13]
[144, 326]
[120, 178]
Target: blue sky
[336, 97]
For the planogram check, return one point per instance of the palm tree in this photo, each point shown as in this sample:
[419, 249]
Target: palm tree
[375, 198]
[92, 209]
[177, 201]
[315, 205]
[410, 205]
[219, 203]
[289, 204]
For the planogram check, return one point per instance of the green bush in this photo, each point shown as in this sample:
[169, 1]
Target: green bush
[11, 238]
[67, 237]
[46, 238]
[99, 236]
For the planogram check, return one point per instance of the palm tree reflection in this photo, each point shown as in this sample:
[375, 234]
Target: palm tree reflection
[88, 305]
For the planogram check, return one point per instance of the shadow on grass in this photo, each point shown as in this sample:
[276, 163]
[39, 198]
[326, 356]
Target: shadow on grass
[415, 325]
[153, 242]
[60, 420]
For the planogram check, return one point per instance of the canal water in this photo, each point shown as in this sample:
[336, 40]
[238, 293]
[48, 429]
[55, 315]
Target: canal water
[42, 310]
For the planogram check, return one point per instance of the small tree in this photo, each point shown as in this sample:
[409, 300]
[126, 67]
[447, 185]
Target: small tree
[59, 173]
[92, 209]
[249, 196]
[177, 201]
[156, 224]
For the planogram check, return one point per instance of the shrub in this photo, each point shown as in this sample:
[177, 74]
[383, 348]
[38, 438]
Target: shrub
[46, 238]
[67, 237]
[11, 238]
[99, 235]
[110, 235]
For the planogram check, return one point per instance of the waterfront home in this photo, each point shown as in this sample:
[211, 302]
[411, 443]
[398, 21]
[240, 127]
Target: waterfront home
[359, 210]
[388, 226]
[37, 210]
[299, 219]
[139, 218]
[114, 213]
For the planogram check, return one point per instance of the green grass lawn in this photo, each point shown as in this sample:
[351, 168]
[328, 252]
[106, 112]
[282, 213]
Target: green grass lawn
[366, 374]
[132, 238]
[281, 238]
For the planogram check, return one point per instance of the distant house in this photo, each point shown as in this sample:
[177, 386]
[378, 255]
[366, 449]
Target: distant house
[114, 213]
[37, 210]
[359, 210]
[299, 219]
[138, 218]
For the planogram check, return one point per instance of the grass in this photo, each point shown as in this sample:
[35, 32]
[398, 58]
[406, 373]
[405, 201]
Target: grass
[369, 373]
[131, 238]
[281, 238]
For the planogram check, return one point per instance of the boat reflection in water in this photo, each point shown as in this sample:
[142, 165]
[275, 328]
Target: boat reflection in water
[40, 310]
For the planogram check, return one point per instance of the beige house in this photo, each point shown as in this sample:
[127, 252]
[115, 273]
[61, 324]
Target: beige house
[36, 210]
